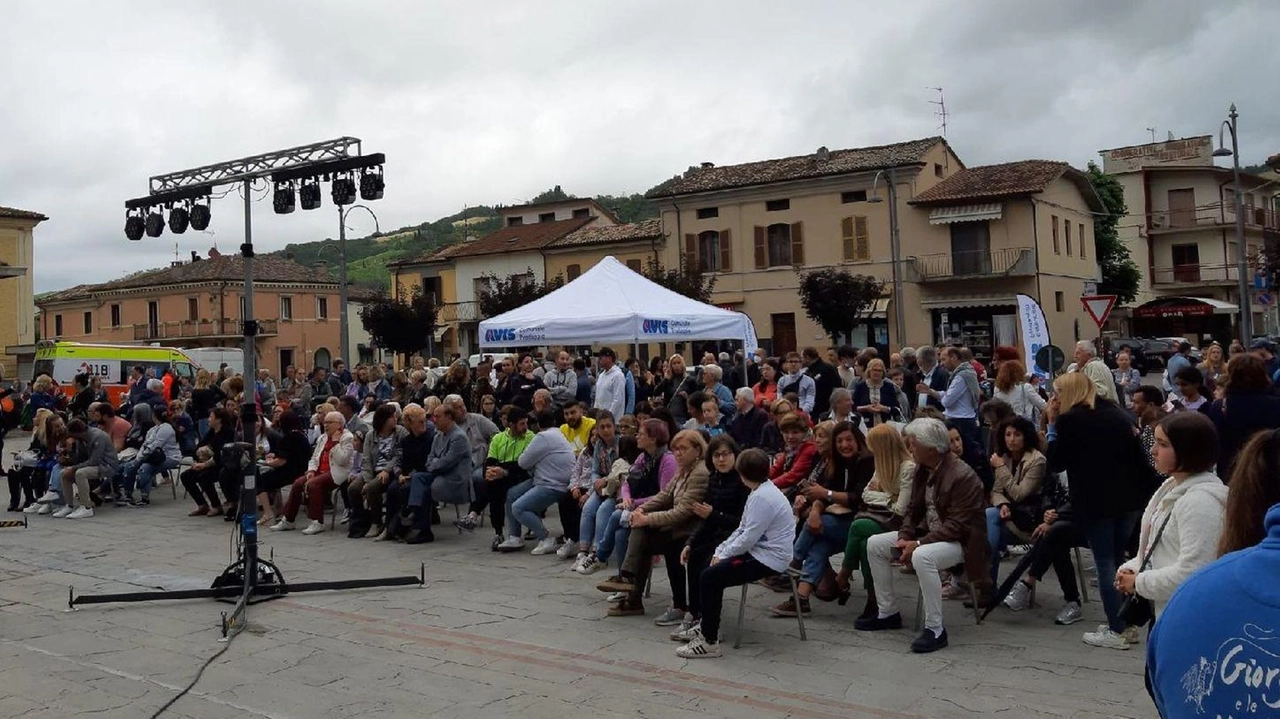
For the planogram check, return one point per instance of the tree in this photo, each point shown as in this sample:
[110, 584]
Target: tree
[1120, 274]
[836, 299]
[685, 280]
[555, 194]
[514, 290]
[400, 324]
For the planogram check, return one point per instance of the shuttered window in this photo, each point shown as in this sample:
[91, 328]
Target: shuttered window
[855, 239]
[779, 245]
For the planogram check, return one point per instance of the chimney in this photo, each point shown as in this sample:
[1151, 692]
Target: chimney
[195, 257]
[708, 165]
[823, 154]
[213, 252]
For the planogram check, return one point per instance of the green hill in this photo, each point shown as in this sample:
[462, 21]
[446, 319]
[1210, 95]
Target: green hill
[367, 257]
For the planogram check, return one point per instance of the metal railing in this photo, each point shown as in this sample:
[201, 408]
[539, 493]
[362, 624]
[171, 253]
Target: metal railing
[1217, 213]
[1194, 273]
[459, 312]
[979, 263]
[195, 329]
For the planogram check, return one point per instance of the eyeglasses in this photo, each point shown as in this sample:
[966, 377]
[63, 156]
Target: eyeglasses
[723, 455]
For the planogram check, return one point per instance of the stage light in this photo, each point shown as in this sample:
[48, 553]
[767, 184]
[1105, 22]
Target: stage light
[344, 189]
[309, 194]
[285, 200]
[371, 184]
[134, 225]
[200, 216]
[179, 219]
[155, 223]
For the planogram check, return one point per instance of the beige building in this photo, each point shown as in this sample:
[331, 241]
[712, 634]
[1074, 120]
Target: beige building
[969, 240]
[17, 305]
[1181, 231]
[199, 304]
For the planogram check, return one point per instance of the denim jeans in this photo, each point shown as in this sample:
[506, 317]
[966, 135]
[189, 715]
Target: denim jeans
[524, 502]
[615, 537]
[595, 517]
[998, 536]
[1107, 537]
[815, 551]
[135, 471]
[420, 489]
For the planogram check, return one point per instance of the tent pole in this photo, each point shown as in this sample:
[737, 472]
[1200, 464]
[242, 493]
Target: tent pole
[746, 368]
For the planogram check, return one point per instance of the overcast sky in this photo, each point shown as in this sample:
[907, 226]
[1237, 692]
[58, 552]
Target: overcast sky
[492, 102]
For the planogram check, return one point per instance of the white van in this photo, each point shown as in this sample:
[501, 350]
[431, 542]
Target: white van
[212, 358]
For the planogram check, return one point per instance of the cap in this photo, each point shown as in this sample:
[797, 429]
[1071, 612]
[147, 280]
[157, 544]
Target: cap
[1263, 343]
[1184, 346]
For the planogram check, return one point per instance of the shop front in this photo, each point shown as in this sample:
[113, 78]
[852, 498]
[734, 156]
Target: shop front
[981, 328]
[1192, 317]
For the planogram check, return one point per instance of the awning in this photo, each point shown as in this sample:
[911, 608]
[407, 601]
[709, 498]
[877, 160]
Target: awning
[1184, 307]
[966, 213]
[441, 332]
[943, 303]
[879, 309]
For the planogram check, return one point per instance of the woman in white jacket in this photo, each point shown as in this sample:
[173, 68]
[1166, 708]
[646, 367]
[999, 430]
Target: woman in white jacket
[329, 467]
[1183, 521]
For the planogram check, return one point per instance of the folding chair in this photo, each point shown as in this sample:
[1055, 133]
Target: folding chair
[918, 625]
[793, 575]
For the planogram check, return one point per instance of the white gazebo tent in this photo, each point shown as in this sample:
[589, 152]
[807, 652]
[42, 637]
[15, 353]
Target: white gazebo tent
[612, 303]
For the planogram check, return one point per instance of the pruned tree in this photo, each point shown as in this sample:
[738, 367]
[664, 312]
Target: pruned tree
[1120, 274]
[688, 281]
[504, 294]
[837, 299]
[401, 324]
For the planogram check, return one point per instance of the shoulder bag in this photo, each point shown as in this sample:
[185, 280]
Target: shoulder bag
[1138, 611]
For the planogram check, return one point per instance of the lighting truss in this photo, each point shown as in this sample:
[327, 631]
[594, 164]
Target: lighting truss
[256, 165]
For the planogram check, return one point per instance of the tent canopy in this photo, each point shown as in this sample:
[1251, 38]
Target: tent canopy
[612, 303]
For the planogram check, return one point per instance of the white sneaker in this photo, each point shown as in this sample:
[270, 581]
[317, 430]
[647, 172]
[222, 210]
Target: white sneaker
[34, 508]
[315, 527]
[346, 517]
[45, 509]
[81, 513]
[50, 496]
[590, 565]
[511, 544]
[64, 511]
[1069, 614]
[567, 550]
[1019, 597]
[546, 546]
[283, 525]
[687, 630]
[577, 563]
[616, 597]
[1105, 638]
[699, 648]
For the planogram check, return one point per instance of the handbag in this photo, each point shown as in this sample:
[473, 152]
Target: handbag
[1138, 611]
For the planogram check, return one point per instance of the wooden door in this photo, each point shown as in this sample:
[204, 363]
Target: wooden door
[784, 333]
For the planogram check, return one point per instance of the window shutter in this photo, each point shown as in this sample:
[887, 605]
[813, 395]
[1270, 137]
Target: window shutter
[797, 243]
[762, 250]
[726, 251]
[846, 239]
[862, 238]
[691, 251]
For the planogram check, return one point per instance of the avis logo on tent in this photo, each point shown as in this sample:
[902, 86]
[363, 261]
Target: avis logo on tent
[655, 327]
[504, 334]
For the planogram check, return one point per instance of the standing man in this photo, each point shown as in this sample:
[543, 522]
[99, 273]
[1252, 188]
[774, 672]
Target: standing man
[583, 394]
[794, 380]
[932, 375]
[846, 356]
[342, 373]
[611, 385]
[960, 401]
[561, 380]
[1177, 362]
[1091, 365]
[266, 387]
[825, 379]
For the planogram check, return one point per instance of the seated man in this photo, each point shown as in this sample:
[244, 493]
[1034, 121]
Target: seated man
[447, 477]
[502, 471]
[747, 428]
[414, 448]
[945, 525]
[100, 465]
[549, 461]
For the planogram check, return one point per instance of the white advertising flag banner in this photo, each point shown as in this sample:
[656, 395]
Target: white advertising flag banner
[1035, 331]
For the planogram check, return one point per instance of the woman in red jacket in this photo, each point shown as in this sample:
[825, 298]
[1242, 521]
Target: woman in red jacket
[797, 457]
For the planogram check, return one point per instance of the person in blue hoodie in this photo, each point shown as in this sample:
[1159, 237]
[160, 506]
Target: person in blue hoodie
[1215, 650]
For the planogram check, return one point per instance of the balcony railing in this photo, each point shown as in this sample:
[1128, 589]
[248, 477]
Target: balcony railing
[1195, 274]
[459, 312]
[1218, 213]
[1008, 261]
[199, 329]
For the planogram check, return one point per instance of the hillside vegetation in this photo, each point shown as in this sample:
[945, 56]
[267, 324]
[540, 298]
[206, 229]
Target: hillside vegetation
[367, 257]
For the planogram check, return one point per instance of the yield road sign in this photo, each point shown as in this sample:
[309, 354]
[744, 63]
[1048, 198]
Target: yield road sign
[1098, 307]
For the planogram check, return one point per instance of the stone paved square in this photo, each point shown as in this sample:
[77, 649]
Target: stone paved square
[490, 635]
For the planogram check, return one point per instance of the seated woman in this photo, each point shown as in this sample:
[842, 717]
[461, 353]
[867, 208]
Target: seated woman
[1020, 466]
[758, 548]
[159, 452]
[797, 457]
[884, 502]
[720, 513]
[827, 507]
[330, 466]
[1052, 541]
[602, 503]
[202, 478]
[381, 465]
[286, 461]
[183, 428]
[771, 435]
[48, 430]
[590, 473]
[652, 471]
[664, 523]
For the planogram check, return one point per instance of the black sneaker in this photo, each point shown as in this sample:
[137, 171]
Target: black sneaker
[123, 501]
[421, 537]
[876, 624]
[927, 642]
[466, 523]
[497, 539]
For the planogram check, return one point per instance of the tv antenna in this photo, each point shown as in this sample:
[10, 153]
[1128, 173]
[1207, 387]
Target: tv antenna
[941, 112]
[1152, 130]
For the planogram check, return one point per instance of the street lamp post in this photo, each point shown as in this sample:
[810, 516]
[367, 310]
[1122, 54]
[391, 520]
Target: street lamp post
[1242, 259]
[342, 275]
[895, 251]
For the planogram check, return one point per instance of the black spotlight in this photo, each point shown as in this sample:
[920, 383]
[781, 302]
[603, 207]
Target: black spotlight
[134, 225]
[200, 217]
[309, 194]
[155, 223]
[371, 184]
[344, 189]
[179, 219]
[285, 198]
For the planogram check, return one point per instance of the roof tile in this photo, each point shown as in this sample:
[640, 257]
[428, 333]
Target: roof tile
[229, 268]
[989, 182]
[21, 214]
[520, 238]
[610, 234]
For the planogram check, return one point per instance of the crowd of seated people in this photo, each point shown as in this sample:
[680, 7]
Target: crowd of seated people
[916, 463]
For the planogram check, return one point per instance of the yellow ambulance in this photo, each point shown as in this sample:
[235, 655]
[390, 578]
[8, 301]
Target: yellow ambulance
[110, 363]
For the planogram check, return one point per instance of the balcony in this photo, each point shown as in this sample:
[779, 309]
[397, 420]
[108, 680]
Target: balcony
[1204, 275]
[977, 265]
[458, 312]
[199, 329]
[1213, 215]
